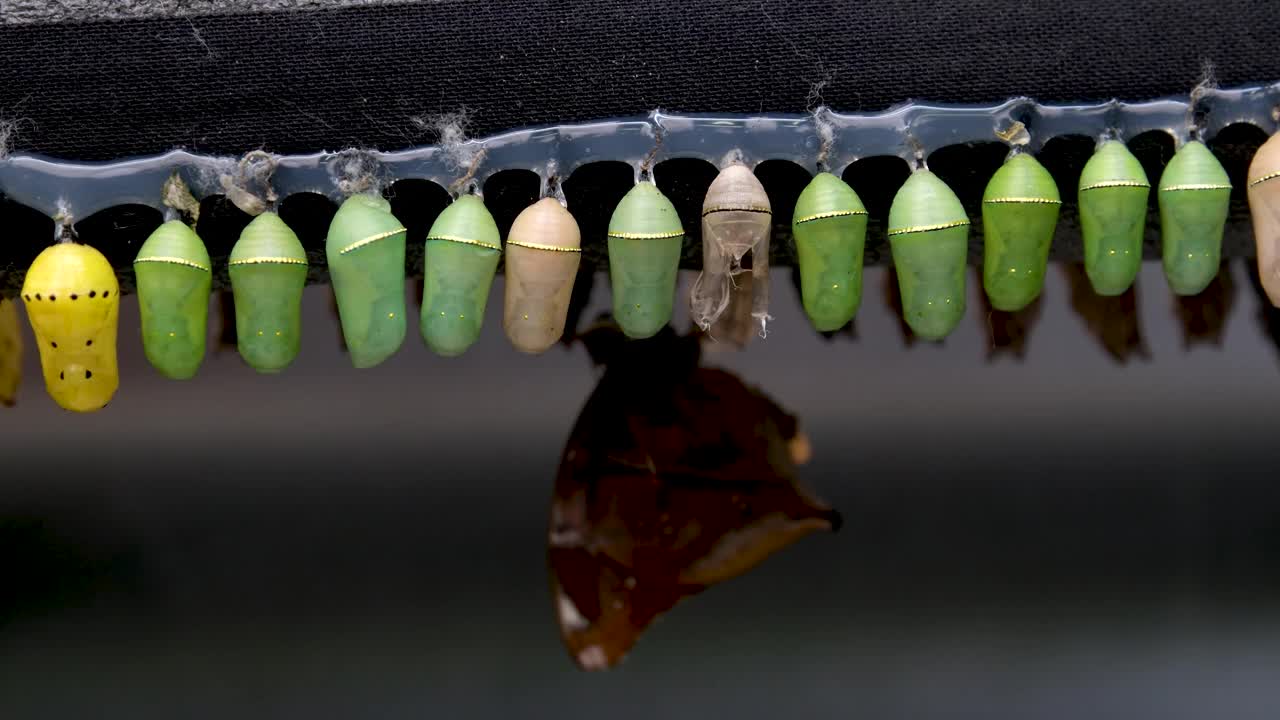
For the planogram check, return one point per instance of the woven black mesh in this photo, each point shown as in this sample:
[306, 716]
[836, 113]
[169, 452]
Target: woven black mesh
[306, 81]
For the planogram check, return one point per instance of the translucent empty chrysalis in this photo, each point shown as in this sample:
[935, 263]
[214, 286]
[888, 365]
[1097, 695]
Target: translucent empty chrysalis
[1264, 205]
[645, 239]
[365, 250]
[10, 353]
[1113, 215]
[1019, 213]
[463, 248]
[73, 303]
[736, 220]
[174, 281]
[544, 249]
[268, 273]
[1195, 196]
[830, 230]
[929, 237]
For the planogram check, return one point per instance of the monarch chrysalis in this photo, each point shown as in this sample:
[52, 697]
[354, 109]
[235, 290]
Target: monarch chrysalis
[736, 220]
[1195, 196]
[645, 239]
[830, 230]
[1264, 205]
[461, 258]
[268, 270]
[1019, 214]
[929, 237]
[1113, 215]
[174, 281]
[73, 303]
[365, 249]
[543, 253]
[10, 353]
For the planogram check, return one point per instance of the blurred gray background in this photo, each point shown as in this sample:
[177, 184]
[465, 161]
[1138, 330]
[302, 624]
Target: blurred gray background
[1059, 537]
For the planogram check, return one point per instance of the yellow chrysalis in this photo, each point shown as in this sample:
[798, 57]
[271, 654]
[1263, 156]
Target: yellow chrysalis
[73, 303]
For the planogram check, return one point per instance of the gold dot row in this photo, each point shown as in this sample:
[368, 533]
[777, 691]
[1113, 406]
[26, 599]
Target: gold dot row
[646, 236]
[543, 246]
[369, 240]
[1023, 200]
[172, 261]
[1116, 183]
[268, 261]
[1196, 186]
[1264, 178]
[739, 208]
[465, 241]
[829, 214]
[928, 228]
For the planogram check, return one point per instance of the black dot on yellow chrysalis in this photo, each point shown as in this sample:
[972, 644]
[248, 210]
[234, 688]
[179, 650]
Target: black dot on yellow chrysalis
[268, 269]
[174, 279]
[76, 339]
[929, 237]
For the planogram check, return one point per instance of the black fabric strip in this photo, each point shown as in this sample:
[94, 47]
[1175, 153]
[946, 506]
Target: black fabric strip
[307, 81]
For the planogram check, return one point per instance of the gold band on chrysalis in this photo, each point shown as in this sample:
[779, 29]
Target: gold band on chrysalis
[1264, 178]
[1021, 200]
[1116, 183]
[928, 228]
[646, 236]
[268, 261]
[464, 241]
[740, 208]
[172, 261]
[371, 239]
[829, 214]
[541, 246]
[1196, 186]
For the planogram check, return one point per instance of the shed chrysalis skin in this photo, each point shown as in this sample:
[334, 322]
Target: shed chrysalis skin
[736, 219]
[174, 279]
[1264, 205]
[645, 239]
[544, 249]
[365, 250]
[73, 303]
[1195, 197]
[1019, 213]
[1113, 215]
[929, 236]
[10, 353]
[268, 270]
[830, 230]
[463, 248]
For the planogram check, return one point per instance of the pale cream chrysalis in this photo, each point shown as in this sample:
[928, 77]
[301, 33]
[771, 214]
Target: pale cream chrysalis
[543, 253]
[1264, 205]
[736, 219]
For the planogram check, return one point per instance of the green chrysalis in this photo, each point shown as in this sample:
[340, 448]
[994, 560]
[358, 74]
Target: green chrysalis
[1019, 213]
[929, 237]
[365, 248]
[461, 259]
[645, 239]
[1113, 215]
[268, 270]
[174, 280]
[830, 231]
[1195, 195]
